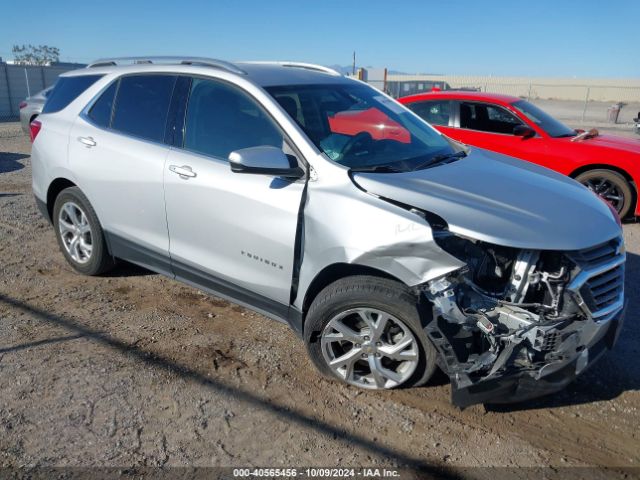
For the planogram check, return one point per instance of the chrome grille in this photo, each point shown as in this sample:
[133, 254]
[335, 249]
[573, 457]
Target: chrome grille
[599, 285]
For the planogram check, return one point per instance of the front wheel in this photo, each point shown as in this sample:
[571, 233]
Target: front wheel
[366, 331]
[610, 186]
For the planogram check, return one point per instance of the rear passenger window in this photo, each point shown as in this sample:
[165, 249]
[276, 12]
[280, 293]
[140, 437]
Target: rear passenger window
[66, 90]
[142, 106]
[101, 110]
[434, 112]
[221, 119]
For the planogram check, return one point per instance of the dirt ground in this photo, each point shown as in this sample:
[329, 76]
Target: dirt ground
[136, 370]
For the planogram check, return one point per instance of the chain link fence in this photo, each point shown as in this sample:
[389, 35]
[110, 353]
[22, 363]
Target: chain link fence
[610, 103]
[18, 82]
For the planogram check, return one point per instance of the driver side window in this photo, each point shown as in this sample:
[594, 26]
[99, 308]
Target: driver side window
[487, 118]
[220, 119]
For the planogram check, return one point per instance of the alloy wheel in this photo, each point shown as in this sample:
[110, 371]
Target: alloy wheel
[607, 190]
[370, 348]
[75, 232]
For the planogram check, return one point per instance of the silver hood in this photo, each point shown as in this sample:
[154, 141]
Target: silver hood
[502, 200]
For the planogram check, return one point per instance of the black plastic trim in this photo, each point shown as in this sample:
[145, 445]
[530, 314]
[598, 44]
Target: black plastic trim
[298, 250]
[162, 263]
[177, 110]
[295, 172]
[230, 291]
[132, 252]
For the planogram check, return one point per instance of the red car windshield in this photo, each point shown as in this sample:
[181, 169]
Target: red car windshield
[357, 126]
[545, 121]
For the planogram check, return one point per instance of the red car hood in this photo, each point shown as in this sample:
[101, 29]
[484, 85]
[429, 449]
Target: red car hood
[372, 121]
[630, 145]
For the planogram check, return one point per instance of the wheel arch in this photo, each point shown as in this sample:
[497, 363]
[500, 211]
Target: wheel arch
[338, 271]
[602, 166]
[613, 168]
[55, 187]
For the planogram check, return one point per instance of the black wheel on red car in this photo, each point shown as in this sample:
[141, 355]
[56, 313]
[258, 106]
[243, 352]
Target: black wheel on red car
[611, 186]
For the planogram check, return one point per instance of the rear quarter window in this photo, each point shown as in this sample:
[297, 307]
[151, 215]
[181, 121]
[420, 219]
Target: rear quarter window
[66, 90]
[102, 109]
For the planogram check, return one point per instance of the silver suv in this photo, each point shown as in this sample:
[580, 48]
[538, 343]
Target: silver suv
[319, 201]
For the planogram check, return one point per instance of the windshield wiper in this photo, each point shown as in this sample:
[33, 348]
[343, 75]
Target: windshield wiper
[440, 158]
[377, 169]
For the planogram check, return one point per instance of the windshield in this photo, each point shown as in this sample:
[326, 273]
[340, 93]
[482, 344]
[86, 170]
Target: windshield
[357, 126]
[545, 121]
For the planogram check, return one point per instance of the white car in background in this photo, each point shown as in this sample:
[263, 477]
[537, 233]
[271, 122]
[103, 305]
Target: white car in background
[31, 107]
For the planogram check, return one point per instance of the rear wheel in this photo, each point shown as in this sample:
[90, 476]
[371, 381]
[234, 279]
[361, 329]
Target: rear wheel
[610, 186]
[79, 233]
[366, 331]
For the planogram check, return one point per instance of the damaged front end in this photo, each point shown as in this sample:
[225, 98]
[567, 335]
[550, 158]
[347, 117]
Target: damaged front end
[516, 324]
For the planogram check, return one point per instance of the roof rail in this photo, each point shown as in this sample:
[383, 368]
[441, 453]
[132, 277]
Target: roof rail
[201, 61]
[308, 66]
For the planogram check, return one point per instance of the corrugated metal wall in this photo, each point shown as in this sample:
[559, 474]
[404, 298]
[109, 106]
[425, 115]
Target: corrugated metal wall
[18, 82]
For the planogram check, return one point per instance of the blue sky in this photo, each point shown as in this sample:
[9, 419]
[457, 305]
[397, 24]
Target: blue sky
[587, 38]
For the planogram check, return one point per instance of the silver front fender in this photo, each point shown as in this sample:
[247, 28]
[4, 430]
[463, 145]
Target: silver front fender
[345, 225]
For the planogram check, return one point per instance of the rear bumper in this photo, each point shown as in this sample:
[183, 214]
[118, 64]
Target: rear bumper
[521, 386]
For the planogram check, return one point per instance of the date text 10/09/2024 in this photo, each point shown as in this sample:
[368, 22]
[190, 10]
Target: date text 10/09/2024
[316, 472]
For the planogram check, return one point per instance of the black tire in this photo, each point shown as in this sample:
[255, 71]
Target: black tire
[99, 261]
[592, 178]
[382, 294]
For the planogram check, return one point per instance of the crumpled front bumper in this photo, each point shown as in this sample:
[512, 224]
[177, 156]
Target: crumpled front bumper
[522, 386]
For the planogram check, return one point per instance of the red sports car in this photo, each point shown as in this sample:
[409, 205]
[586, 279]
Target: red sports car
[608, 165]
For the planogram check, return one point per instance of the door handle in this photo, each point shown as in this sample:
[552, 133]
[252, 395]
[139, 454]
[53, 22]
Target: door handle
[184, 171]
[87, 141]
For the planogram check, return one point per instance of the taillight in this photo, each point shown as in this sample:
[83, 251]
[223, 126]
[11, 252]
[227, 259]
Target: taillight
[22, 105]
[34, 129]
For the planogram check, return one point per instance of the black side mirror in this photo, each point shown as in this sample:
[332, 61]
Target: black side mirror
[265, 160]
[524, 131]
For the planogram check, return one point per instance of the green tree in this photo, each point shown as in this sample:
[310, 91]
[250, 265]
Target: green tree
[35, 55]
